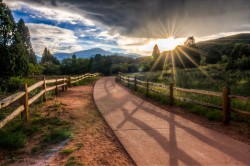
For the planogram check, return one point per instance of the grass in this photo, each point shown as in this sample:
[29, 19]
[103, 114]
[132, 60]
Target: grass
[56, 135]
[72, 161]
[86, 81]
[67, 151]
[210, 114]
[16, 134]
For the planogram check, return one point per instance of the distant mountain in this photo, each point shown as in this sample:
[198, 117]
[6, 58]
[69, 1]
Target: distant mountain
[38, 58]
[91, 53]
[224, 42]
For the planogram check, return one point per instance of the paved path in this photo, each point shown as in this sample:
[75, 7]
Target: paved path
[153, 136]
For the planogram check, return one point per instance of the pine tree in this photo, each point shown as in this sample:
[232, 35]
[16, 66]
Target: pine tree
[19, 51]
[25, 37]
[156, 52]
[13, 53]
[7, 27]
[47, 56]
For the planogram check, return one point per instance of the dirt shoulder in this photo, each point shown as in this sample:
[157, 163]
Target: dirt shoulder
[94, 142]
[69, 131]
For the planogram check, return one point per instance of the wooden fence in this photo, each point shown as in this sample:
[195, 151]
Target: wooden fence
[23, 95]
[225, 95]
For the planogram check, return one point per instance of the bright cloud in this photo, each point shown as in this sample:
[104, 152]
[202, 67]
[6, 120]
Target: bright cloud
[55, 38]
[50, 14]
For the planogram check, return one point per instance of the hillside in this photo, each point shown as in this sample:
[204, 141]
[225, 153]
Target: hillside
[224, 43]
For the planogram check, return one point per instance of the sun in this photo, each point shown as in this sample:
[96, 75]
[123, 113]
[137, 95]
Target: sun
[165, 44]
[169, 43]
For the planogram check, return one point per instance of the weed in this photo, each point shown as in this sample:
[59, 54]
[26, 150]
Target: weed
[72, 161]
[12, 140]
[67, 151]
[56, 135]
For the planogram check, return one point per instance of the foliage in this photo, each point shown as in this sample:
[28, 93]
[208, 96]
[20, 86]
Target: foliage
[35, 69]
[186, 56]
[13, 52]
[56, 135]
[12, 140]
[116, 68]
[244, 63]
[25, 37]
[48, 57]
[13, 83]
[213, 57]
[156, 52]
[51, 69]
[75, 66]
[158, 61]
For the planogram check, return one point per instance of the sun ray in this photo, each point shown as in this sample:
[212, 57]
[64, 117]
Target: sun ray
[164, 30]
[191, 60]
[178, 55]
[173, 68]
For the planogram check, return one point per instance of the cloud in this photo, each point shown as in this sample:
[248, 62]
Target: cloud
[128, 25]
[55, 38]
[160, 18]
[49, 13]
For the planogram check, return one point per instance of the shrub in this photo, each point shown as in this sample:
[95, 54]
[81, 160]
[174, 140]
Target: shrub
[244, 63]
[12, 140]
[13, 84]
[35, 69]
[213, 57]
[51, 69]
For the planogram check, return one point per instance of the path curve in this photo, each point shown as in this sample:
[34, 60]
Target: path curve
[153, 136]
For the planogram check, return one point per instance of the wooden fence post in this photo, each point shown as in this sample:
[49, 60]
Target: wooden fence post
[128, 81]
[147, 85]
[25, 103]
[171, 94]
[66, 86]
[226, 105]
[135, 84]
[63, 87]
[56, 90]
[69, 81]
[44, 87]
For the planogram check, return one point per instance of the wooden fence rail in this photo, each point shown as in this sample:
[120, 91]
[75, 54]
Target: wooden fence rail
[23, 95]
[224, 95]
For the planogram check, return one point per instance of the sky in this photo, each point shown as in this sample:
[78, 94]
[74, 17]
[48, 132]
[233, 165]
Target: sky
[128, 26]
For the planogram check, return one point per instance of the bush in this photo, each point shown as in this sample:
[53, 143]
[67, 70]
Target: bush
[116, 68]
[35, 69]
[244, 63]
[51, 69]
[12, 140]
[13, 84]
[213, 57]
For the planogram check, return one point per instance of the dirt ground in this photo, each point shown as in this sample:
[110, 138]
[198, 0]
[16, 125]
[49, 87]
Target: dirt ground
[92, 142]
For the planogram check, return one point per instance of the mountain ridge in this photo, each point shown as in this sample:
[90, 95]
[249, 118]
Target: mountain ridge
[91, 53]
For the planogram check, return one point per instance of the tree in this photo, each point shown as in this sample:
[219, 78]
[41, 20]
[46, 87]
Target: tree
[156, 52]
[7, 27]
[244, 50]
[13, 53]
[190, 41]
[48, 57]
[213, 57]
[25, 37]
[18, 50]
